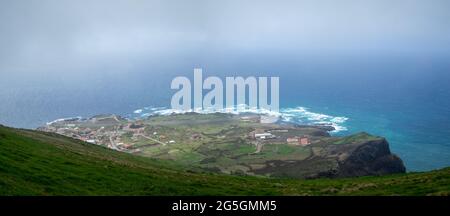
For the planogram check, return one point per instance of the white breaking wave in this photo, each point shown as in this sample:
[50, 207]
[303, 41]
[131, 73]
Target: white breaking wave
[78, 118]
[297, 115]
[138, 111]
[302, 115]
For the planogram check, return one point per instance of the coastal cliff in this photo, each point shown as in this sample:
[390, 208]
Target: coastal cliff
[357, 155]
[370, 158]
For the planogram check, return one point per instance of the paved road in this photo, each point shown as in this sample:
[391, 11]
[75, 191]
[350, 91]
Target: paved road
[258, 148]
[154, 140]
[113, 144]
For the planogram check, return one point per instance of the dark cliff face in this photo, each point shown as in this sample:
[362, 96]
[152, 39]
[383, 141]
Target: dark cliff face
[370, 157]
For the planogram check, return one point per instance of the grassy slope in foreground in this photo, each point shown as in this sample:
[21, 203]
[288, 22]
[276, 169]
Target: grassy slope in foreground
[37, 163]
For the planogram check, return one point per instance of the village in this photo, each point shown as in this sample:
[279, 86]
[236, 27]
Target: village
[111, 136]
[133, 135]
[218, 142]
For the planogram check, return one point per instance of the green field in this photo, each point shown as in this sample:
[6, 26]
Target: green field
[39, 163]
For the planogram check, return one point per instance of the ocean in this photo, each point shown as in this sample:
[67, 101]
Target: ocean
[405, 99]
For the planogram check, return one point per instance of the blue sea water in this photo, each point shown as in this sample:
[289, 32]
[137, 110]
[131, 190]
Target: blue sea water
[403, 99]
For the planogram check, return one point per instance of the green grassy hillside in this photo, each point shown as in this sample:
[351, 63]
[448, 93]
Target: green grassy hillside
[38, 163]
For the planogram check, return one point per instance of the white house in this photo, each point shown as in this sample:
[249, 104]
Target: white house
[264, 136]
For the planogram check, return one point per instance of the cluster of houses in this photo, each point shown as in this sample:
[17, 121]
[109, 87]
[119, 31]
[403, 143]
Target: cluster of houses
[260, 134]
[302, 141]
[70, 130]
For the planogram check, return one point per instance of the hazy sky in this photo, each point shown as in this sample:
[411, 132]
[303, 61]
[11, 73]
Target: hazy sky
[48, 35]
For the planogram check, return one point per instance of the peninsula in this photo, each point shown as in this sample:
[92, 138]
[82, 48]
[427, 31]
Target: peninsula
[237, 144]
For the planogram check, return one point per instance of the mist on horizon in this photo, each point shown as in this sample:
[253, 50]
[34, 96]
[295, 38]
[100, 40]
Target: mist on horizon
[78, 38]
[77, 55]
